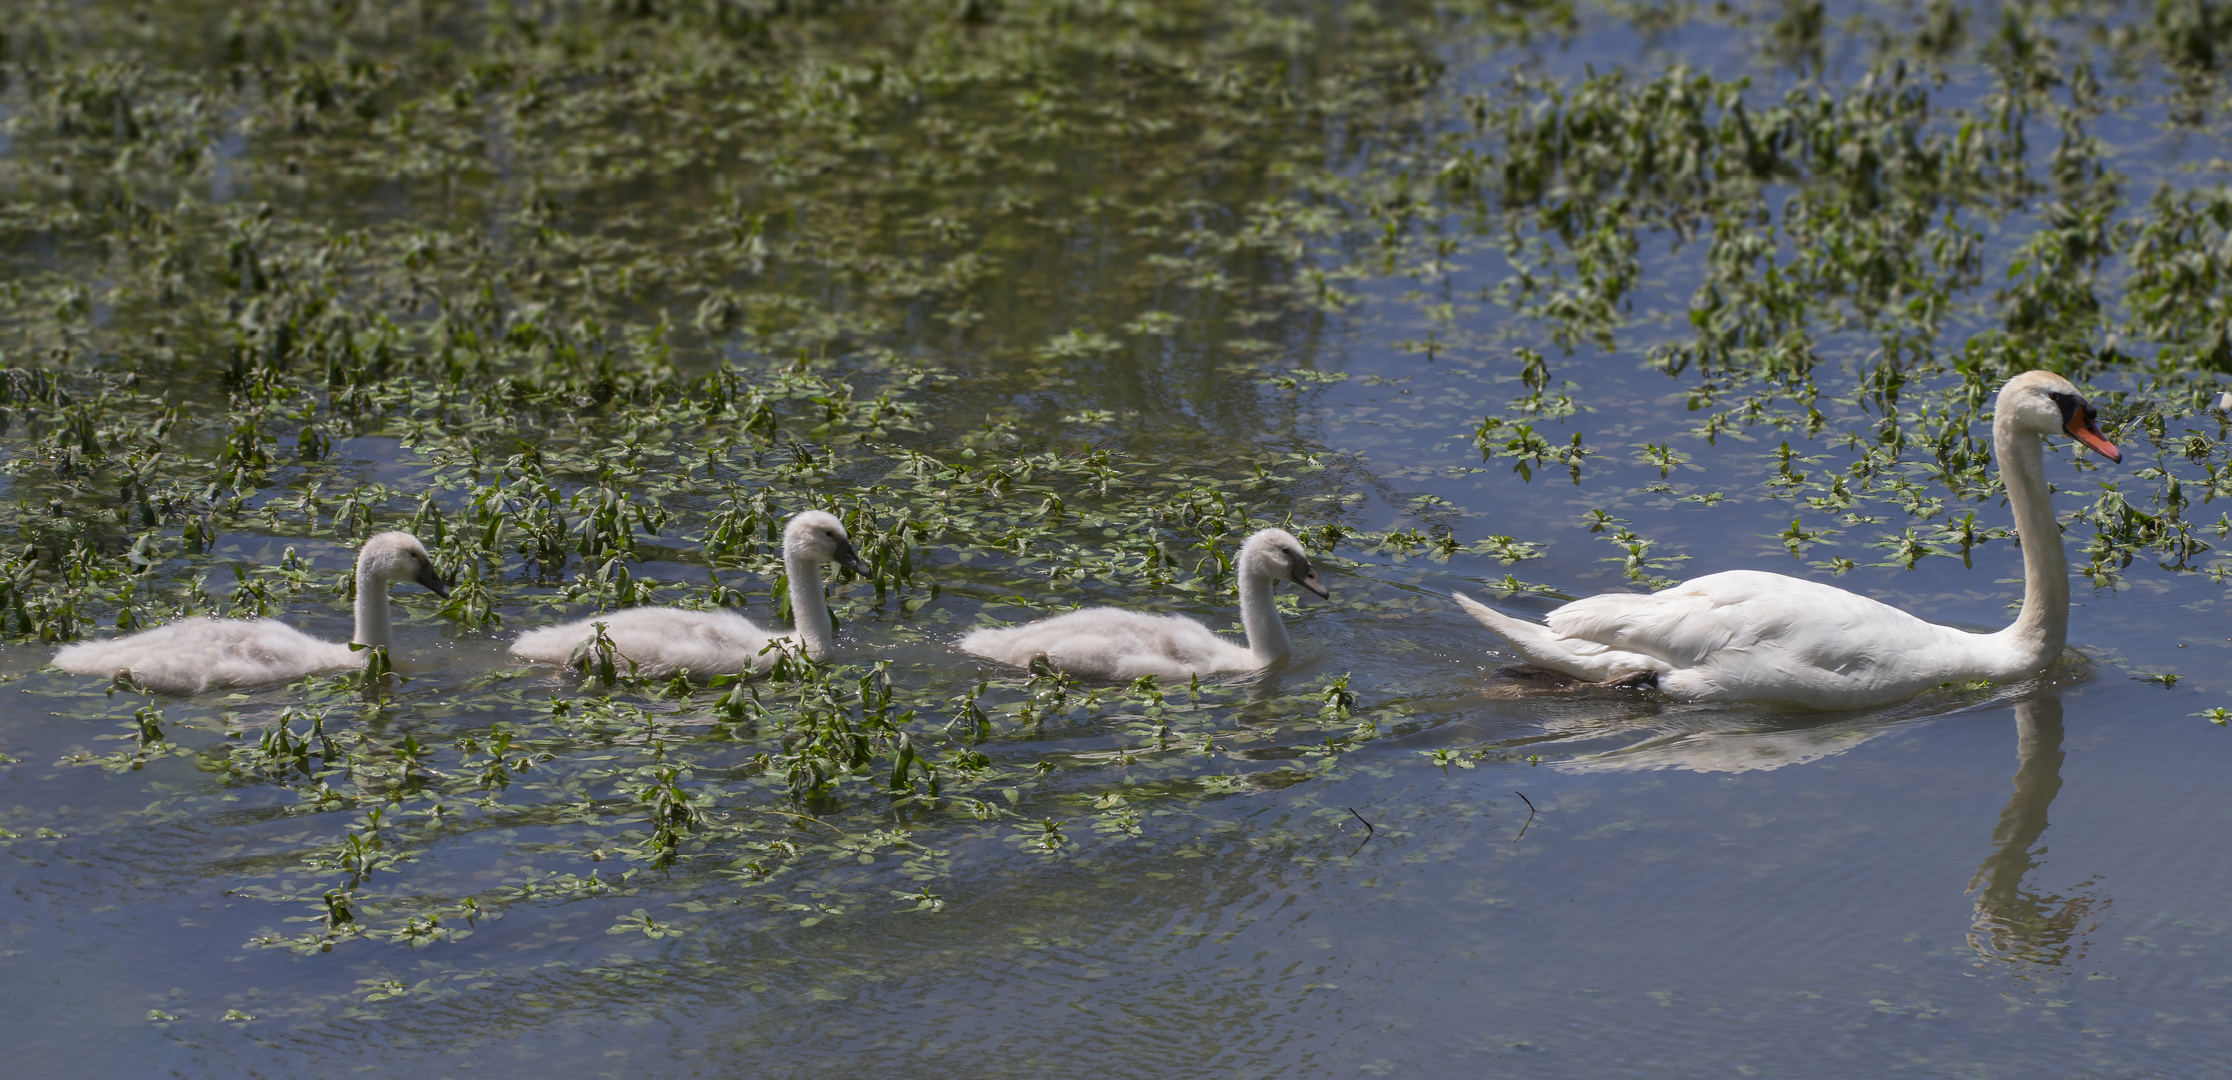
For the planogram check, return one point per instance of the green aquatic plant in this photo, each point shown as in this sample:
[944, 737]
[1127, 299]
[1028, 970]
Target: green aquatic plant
[1051, 304]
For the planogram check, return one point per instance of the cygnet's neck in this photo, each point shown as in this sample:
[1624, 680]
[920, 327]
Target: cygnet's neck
[1267, 634]
[371, 608]
[2036, 636]
[809, 610]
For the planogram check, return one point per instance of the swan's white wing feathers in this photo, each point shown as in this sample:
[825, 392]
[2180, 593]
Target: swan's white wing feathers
[192, 655]
[1544, 647]
[1112, 643]
[1751, 634]
[1685, 624]
[661, 641]
[1680, 625]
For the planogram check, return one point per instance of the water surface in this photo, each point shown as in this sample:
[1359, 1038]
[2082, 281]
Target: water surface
[1057, 304]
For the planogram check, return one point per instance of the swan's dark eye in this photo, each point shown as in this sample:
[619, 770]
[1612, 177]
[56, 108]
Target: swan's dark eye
[2075, 408]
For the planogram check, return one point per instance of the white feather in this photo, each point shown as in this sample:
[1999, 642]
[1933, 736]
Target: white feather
[661, 641]
[1111, 643]
[193, 655]
[1750, 635]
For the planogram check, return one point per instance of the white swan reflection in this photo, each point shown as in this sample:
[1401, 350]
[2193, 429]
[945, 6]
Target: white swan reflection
[2015, 922]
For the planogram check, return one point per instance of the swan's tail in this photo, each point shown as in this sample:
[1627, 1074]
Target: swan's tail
[1543, 647]
[186, 670]
[561, 645]
[103, 658]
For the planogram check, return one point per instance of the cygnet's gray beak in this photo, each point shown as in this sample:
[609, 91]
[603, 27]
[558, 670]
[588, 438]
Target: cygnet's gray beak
[846, 557]
[1306, 576]
[432, 581]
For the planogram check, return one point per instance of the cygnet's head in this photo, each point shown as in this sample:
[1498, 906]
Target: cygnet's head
[2044, 403]
[819, 536]
[398, 556]
[1276, 554]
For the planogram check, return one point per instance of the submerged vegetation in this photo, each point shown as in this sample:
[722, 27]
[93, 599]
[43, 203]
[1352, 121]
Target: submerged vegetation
[1052, 303]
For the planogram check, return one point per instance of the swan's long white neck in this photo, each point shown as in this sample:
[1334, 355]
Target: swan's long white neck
[371, 609]
[809, 610]
[1267, 634]
[2035, 638]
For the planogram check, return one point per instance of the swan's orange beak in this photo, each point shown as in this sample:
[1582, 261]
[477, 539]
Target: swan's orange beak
[2082, 427]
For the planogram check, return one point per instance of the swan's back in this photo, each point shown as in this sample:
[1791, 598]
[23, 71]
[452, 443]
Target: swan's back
[1726, 635]
[1112, 643]
[661, 641]
[192, 655]
[1685, 624]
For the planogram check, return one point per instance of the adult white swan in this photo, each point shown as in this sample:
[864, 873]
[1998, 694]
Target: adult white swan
[1746, 635]
[192, 655]
[662, 641]
[1111, 643]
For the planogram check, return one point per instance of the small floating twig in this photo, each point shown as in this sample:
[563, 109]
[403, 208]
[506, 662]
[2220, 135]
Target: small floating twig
[1369, 832]
[1530, 816]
